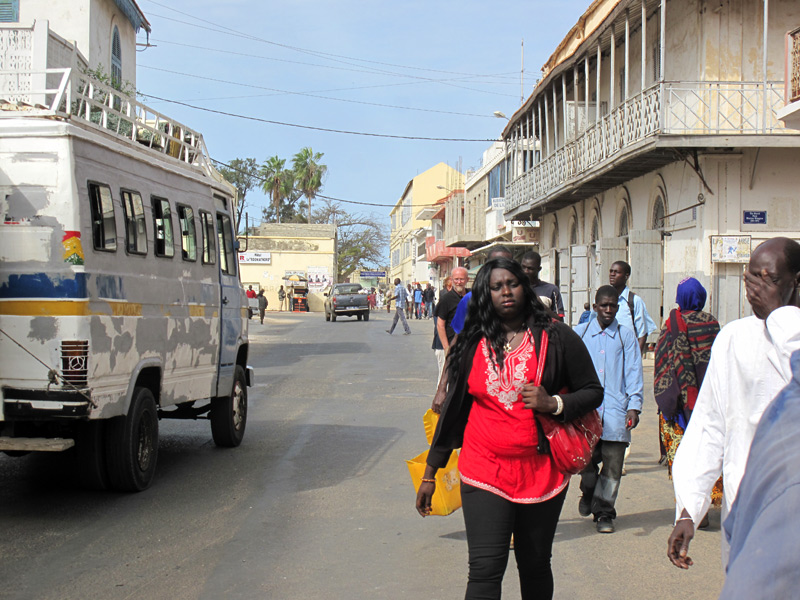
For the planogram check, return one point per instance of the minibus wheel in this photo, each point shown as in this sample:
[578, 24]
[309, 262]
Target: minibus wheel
[229, 413]
[132, 444]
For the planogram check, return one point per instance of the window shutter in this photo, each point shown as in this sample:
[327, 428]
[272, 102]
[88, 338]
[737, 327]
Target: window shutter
[9, 11]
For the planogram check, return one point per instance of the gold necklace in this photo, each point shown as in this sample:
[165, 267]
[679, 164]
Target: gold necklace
[507, 346]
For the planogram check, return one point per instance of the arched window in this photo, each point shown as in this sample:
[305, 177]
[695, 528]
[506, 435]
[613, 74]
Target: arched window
[595, 235]
[573, 232]
[116, 58]
[623, 222]
[658, 213]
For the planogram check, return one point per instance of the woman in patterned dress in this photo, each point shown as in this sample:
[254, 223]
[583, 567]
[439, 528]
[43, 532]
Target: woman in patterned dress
[682, 353]
[509, 484]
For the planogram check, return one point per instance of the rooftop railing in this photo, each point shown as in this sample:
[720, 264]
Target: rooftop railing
[72, 95]
[669, 108]
[793, 66]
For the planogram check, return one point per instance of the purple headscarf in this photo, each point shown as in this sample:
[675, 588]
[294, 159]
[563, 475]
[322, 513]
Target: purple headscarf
[691, 294]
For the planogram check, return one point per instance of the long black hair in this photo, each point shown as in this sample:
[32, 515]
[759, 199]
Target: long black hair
[482, 319]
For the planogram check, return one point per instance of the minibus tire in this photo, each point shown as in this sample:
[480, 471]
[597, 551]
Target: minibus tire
[366, 316]
[229, 413]
[90, 455]
[132, 444]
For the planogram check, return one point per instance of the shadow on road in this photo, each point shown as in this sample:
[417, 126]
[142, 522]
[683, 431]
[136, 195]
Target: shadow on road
[289, 353]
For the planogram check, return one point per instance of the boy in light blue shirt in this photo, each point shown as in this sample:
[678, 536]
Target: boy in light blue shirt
[618, 361]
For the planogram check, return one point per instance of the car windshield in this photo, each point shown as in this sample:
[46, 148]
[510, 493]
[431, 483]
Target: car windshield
[348, 289]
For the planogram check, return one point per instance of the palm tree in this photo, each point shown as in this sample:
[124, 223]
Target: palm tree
[278, 181]
[308, 174]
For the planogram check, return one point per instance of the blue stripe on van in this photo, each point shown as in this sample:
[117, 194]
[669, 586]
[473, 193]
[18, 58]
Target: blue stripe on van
[44, 285]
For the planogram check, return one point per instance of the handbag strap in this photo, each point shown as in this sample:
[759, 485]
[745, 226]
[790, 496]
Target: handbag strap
[537, 379]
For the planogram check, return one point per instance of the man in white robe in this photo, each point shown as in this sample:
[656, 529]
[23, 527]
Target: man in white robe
[749, 365]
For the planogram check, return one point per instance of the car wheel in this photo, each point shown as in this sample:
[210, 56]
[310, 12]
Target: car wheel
[333, 317]
[327, 316]
[366, 316]
[358, 316]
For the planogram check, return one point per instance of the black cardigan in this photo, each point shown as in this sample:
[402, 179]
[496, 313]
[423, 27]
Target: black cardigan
[567, 365]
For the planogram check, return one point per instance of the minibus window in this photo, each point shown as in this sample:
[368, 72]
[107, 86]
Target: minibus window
[162, 217]
[224, 233]
[207, 225]
[135, 229]
[104, 227]
[188, 235]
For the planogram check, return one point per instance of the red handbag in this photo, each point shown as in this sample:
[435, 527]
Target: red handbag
[572, 443]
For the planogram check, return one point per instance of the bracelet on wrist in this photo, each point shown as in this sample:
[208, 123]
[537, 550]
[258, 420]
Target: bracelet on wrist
[428, 480]
[559, 405]
[676, 520]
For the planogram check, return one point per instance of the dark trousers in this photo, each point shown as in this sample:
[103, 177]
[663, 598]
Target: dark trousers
[398, 314]
[490, 520]
[602, 485]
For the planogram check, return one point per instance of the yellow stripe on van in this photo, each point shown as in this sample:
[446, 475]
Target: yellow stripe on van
[80, 308]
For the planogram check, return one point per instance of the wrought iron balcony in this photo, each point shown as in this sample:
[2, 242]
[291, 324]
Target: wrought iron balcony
[648, 127]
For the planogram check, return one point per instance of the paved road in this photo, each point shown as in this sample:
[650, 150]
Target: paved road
[317, 502]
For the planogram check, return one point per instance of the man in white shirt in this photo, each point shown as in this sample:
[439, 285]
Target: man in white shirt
[749, 365]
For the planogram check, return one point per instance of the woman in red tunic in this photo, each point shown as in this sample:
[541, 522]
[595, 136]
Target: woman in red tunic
[509, 484]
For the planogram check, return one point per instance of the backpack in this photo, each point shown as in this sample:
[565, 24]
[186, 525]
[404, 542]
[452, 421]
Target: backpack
[633, 317]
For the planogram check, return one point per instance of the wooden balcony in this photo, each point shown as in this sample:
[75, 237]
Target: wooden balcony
[648, 131]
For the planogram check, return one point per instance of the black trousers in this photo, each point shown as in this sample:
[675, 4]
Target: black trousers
[490, 520]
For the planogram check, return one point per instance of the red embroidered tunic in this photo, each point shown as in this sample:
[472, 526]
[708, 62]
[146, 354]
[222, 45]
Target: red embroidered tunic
[499, 452]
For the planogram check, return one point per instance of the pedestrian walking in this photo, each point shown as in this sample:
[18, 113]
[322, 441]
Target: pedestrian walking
[250, 293]
[509, 485]
[586, 314]
[427, 297]
[418, 302]
[400, 302]
[749, 365]
[618, 362]
[281, 299]
[548, 293]
[682, 353]
[632, 310]
[262, 304]
[409, 301]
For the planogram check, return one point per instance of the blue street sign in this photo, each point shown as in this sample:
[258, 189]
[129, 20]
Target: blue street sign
[755, 217]
[373, 273]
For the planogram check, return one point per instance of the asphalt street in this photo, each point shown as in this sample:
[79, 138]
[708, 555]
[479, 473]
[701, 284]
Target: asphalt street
[317, 502]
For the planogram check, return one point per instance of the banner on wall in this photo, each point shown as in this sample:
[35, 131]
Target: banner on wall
[319, 278]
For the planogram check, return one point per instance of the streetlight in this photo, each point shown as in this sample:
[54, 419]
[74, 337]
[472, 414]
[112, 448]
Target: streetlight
[441, 187]
[500, 115]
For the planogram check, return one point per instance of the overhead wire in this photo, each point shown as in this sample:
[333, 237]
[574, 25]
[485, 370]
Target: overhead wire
[312, 95]
[264, 179]
[314, 128]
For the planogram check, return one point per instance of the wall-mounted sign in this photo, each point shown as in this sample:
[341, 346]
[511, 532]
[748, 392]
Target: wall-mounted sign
[754, 217]
[365, 274]
[528, 235]
[250, 258]
[730, 248]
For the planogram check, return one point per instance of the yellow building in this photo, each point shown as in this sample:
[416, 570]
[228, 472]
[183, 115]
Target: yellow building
[277, 251]
[410, 228]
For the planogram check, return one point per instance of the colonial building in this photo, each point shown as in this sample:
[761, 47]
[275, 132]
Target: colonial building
[660, 145]
[274, 252]
[411, 225]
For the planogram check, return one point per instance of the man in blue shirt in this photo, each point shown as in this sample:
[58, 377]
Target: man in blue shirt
[762, 528]
[618, 362]
[400, 298]
[640, 322]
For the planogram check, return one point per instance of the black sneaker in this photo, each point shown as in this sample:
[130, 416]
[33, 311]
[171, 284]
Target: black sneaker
[605, 525]
[584, 506]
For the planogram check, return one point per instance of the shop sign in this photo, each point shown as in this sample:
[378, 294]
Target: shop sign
[252, 258]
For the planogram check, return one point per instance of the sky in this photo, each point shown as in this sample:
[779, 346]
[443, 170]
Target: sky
[421, 69]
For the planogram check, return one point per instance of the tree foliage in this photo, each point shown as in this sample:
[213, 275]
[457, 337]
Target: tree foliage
[361, 239]
[308, 174]
[278, 182]
[243, 174]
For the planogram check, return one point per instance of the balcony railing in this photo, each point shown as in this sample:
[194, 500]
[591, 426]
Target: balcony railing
[670, 108]
[68, 94]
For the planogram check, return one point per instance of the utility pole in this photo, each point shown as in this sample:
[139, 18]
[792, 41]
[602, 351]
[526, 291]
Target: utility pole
[522, 73]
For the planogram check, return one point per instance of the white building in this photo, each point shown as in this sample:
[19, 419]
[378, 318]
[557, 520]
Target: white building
[658, 131]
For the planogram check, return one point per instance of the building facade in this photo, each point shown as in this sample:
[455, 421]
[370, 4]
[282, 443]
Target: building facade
[274, 252]
[411, 224]
[659, 144]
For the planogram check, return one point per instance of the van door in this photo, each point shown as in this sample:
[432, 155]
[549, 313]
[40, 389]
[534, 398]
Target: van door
[231, 321]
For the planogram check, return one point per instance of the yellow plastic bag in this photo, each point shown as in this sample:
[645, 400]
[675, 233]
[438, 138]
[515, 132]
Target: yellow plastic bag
[447, 497]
